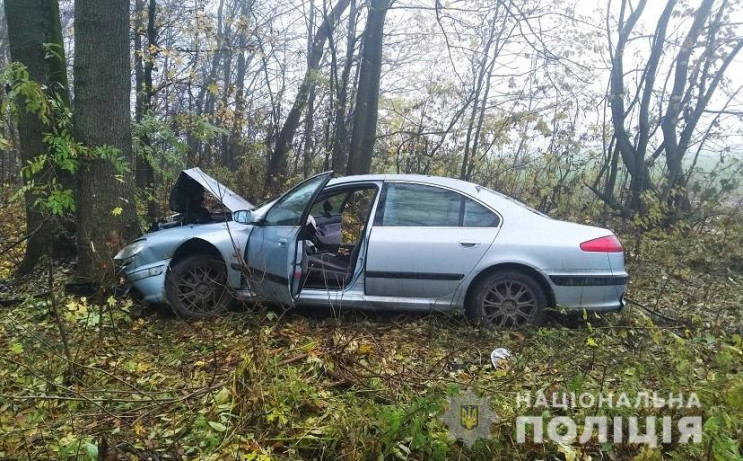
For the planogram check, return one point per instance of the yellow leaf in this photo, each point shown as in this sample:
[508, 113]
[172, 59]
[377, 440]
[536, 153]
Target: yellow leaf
[592, 342]
[116, 211]
[365, 349]
[139, 429]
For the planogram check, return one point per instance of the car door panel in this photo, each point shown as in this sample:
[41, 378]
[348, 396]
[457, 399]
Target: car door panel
[422, 262]
[268, 258]
[275, 256]
[425, 240]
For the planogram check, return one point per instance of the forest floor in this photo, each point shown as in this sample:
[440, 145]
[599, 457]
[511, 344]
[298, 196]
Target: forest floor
[266, 384]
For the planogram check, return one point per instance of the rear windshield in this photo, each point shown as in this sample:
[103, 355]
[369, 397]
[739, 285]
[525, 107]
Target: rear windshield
[516, 202]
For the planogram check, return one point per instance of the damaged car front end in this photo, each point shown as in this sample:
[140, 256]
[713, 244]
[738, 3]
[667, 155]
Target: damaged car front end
[203, 207]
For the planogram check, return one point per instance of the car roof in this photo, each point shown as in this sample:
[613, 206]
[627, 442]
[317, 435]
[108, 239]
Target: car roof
[495, 199]
[419, 178]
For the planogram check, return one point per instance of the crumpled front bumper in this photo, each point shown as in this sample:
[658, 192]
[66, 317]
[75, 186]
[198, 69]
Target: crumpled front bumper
[149, 280]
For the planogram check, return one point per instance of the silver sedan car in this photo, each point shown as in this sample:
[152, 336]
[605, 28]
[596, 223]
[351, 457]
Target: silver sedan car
[399, 242]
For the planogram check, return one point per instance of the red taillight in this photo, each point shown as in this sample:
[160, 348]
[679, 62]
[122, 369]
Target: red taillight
[608, 244]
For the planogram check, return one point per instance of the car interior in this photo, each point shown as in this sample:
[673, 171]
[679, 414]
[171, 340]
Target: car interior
[340, 220]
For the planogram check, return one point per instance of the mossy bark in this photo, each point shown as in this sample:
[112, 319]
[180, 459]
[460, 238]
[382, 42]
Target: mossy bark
[106, 215]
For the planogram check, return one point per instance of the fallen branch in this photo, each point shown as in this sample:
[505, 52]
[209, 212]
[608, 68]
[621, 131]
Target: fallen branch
[294, 359]
[23, 239]
[652, 311]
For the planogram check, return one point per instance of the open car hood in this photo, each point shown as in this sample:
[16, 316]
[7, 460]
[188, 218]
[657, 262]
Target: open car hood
[192, 181]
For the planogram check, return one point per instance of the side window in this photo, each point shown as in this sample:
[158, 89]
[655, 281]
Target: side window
[428, 206]
[417, 205]
[288, 210]
[476, 215]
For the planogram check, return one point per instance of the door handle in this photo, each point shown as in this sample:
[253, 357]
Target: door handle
[469, 244]
[282, 242]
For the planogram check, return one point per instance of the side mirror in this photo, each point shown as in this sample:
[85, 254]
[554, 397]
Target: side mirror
[244, 217]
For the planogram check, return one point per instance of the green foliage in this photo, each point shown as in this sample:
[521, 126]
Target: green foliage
[64, 155]
[410, 430]
[199, 126]
[156, 143]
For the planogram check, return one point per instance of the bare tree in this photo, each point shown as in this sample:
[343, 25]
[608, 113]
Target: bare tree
[684, 104]
[341, 142]
[144, 59]
[277, 164]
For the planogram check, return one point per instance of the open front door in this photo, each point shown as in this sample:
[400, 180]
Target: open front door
[275, 254]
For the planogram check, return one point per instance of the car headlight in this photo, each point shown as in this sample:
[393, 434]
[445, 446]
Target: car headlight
[128, 252]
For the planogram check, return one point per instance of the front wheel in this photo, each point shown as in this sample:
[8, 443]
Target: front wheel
[507, 299]
[196, 287]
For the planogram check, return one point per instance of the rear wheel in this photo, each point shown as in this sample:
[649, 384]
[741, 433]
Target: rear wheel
[196, 287]
[507, 299]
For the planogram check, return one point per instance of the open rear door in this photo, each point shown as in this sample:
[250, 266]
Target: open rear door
[275, 255]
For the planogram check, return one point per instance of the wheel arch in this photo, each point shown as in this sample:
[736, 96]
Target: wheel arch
[518, 267]
[195, 246]
[189, 248]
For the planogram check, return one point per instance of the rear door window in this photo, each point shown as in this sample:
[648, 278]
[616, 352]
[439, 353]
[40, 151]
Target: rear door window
[428, 206]
[416, 205]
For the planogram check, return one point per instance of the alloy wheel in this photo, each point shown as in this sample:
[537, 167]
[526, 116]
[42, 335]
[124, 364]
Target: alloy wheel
[201, 287]
[510, 304]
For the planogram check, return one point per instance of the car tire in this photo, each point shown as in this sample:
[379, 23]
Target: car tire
[196, 287]
[507, 299]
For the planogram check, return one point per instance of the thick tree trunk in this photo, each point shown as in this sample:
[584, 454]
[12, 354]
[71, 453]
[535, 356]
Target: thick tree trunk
[308, 152]
[106, 212]
[364, 131]
[618, 111]
[235, 141]
[31, 25]
[235, 144]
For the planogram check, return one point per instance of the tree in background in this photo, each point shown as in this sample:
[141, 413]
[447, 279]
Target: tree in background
[364, 132]
[144, 63]
[277, 164]
[678, 93]
[340, 144]
[106, 215]
[35, 37]
[509, 94]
